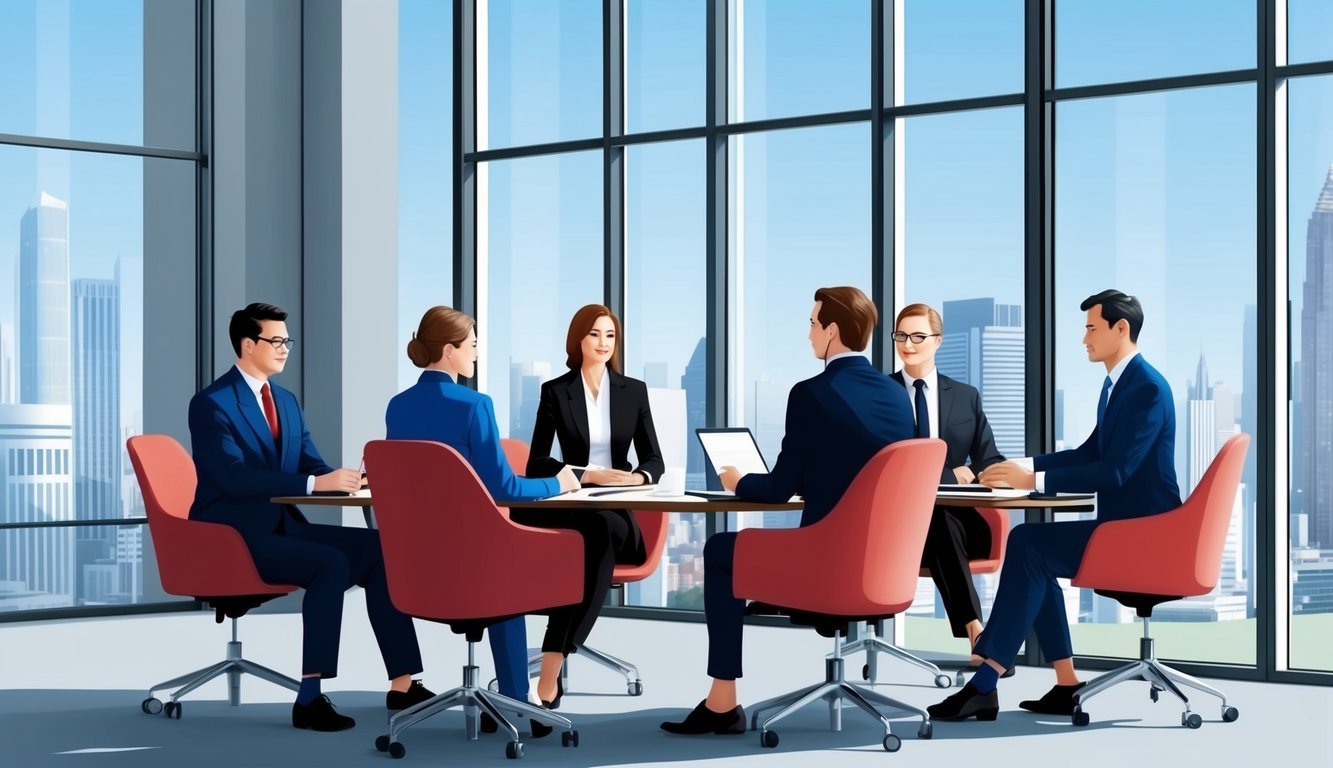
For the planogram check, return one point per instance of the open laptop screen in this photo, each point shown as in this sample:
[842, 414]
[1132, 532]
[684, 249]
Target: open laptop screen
[731, 446]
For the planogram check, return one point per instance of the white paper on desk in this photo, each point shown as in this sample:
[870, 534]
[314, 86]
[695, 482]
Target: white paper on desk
[994, 493]
[733, 449]
[641, 493]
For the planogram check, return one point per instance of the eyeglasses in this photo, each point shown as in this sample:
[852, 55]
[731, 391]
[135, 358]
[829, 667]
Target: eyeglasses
[278, 341]
[917, 338]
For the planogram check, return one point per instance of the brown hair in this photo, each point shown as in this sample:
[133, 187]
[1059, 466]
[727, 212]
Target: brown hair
[439, 326]
[921, 310]
[852, 310]
[581, 325]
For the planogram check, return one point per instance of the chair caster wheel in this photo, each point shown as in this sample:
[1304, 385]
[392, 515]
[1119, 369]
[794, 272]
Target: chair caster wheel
[635, 688]
[494, 685]
[397, 750]
[151, 706]
[926, 730]
[1152, 693]
[173, 710]
[768, 739]
[1080, 717]
[942, 681]
[569, 739]
[514, 750]
[892, 743]
[865, 672]
[1230, 714]
[1191, 720]
[382, 743]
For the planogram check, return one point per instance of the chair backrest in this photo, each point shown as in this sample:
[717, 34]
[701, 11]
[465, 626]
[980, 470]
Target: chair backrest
[517, 452]
[166, 476]
[1176, 553]
[653, 526]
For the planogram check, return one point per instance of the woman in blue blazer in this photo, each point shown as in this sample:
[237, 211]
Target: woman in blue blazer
[438, 408]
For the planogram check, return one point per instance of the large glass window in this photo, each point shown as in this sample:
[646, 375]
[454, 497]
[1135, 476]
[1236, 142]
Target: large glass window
[1310, 271]
[542, 261]
[425, 165]
[961, 231]
[539, 71]
[957, 49]
[1308, 22]
[1100, 42]
[665, 344]
[664, 64]
[1155, 196]
[790, 58]
[800, 219]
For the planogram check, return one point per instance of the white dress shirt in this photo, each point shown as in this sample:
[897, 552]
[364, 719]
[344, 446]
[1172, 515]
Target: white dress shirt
[1115, 374]
[932, 397]
[599, 424]
[255, 386]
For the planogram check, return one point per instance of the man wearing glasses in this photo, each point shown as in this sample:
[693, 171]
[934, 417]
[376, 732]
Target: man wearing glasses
[250, 444]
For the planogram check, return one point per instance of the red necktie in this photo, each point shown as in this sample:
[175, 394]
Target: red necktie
[270, 413]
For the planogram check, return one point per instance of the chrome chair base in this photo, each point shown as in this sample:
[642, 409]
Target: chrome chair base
[633, 683]
[873, 645]
[233, 667]
[835, 690]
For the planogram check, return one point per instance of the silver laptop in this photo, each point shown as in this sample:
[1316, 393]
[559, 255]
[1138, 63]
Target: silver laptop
[730, 447]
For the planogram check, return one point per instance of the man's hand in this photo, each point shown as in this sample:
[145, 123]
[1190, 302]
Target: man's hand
[611, 477]
[730, 477]
[568, 480]
[964, 475]
[1007, 474]
[345, 480]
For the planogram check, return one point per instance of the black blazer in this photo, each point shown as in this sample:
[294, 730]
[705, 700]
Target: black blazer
[963, 427]
[563, 413]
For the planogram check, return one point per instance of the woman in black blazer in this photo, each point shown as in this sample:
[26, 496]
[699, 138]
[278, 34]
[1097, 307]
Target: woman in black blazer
[954, 415]
[596, 413]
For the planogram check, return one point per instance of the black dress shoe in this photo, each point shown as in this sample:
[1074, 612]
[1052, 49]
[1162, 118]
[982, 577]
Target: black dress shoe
[704, 720]
[414, 695]
[319, 715]
[968, 702]
[559, 693]
[1057, 701]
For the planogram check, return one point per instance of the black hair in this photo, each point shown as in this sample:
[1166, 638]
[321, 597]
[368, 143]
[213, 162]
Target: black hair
[1117, 306]
[245, 323]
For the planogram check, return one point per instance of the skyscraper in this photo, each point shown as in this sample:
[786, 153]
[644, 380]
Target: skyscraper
[37, 567]
[1316, 446]
[44, 303]
[1200, 426]
[95, 347]
[695, 383]
[8, 365]
[983, 346]
[525, 393]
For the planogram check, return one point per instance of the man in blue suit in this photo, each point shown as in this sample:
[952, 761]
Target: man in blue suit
[250, 443]
[836, 422]
[1128, 460]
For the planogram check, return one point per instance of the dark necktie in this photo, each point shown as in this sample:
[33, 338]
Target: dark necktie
[922, 415]
[270, 413]
[1101, 401]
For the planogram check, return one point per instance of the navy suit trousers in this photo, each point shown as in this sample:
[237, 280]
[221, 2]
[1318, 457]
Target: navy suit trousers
[1028, 595]
[724, 612]
[327, 560]
[509, 649]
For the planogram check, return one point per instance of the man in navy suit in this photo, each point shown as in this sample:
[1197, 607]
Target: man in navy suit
[1128, 460]
[836, 422]
[250, 443]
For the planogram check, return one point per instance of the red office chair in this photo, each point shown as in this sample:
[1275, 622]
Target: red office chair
[451, 555]
[1151, 560]
[653, 526]
[875, 643]
[859, 563]
[206, 561]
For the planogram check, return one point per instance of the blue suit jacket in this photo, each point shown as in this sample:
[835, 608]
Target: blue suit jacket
[836, 422]
[437, 408]
[238, 465]
[1129, 459]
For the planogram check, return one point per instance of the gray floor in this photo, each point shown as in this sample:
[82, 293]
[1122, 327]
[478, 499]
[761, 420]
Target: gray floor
[70, 693]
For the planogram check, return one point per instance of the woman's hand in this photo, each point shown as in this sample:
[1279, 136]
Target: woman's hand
[568, 480]
[611, 477]
[964, 475]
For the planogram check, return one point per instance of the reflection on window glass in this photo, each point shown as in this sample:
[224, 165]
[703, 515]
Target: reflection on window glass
[425, 167]
[798, 58]
[542, 257]
[957, 49]
[1310, 254]
[799, 220]
[539, 72]
[1100, 42]
[665, 311]
[962, 235]
[665, 54]
[1155, 196]
[1308, 22]
[71, 363]
[77, 71]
